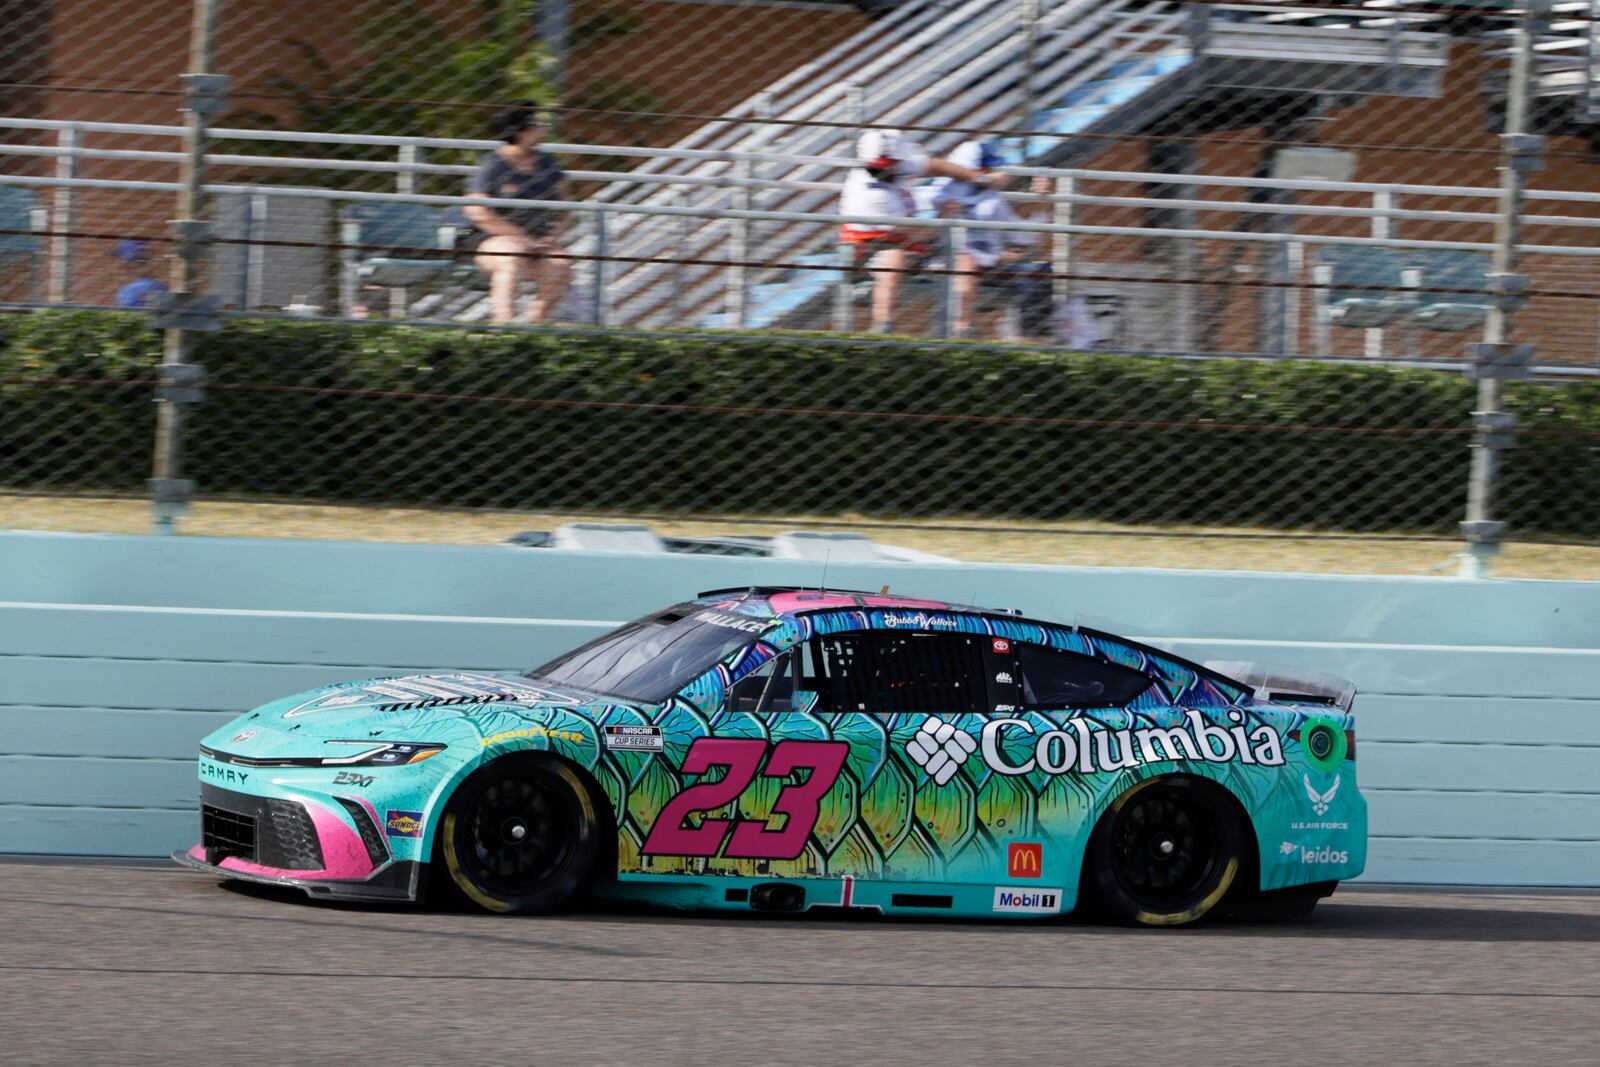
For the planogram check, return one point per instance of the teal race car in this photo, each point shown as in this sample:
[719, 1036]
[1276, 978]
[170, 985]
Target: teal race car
[783, 749]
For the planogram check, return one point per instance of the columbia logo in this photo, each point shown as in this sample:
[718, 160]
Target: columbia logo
[940, 749]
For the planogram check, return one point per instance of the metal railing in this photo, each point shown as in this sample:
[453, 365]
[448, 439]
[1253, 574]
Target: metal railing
[708, 221]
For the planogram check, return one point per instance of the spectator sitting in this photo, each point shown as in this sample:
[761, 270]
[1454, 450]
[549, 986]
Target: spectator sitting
[980, 250]
[887, 161]
[142, 287]
[514, 243]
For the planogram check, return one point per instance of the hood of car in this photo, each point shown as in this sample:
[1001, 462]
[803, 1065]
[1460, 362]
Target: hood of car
[417, 709]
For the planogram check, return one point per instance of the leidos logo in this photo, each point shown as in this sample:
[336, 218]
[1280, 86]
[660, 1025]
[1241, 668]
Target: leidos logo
[1025, 859]
[1028, 901]
[1315, 855]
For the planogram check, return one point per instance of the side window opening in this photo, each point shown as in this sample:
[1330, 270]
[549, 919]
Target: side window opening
[1052, 678]
[770, 687]
[887, 673]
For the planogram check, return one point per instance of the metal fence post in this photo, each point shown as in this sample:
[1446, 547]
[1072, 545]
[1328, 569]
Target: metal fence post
[1590, 99]
[602, 249]
[183, 309]
[844, 291]
[952, 240]
[1027, 103]
[1496, 359]
[855, 110]
[1382, 204]
[1061, 243]
[405, 181]
[65, 220]
[680, 231]
[1321, 279]
[257, 207]
[744, 230]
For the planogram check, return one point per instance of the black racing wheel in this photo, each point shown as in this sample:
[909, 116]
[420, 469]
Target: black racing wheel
[520, 835]
[1169, 852]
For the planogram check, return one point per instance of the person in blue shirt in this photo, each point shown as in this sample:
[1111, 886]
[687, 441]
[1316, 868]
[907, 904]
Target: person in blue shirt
[1018, 253]
[142, 287]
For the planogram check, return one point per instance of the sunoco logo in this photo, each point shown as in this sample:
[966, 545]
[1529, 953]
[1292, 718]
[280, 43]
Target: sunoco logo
[1028, 901]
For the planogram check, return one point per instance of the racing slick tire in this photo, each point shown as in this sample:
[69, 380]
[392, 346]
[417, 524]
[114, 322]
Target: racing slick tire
[519, 836]
[1168, 852]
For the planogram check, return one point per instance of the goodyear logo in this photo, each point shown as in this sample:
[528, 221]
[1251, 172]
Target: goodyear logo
[535, 731]
[402, 823]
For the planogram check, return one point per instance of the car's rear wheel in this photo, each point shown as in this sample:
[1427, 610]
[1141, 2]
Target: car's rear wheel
[520, 835]
[1169, 852]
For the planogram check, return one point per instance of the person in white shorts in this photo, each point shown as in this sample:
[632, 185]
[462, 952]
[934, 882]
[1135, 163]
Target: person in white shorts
[878, 187]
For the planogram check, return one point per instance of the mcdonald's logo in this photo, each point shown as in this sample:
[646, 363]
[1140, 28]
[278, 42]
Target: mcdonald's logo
[1024, 860]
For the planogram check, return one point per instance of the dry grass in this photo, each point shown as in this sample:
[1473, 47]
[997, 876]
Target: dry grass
[1080, 543]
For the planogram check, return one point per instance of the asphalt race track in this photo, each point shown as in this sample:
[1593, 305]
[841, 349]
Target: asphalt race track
[123, 965]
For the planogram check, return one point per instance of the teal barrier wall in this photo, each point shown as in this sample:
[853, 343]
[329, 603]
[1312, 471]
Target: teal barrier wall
[1479, 705]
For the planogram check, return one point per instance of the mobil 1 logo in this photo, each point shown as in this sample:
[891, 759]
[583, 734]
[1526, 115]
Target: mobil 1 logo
[1008, 900]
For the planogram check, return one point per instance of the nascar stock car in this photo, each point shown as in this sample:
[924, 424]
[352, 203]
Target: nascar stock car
[786, 749]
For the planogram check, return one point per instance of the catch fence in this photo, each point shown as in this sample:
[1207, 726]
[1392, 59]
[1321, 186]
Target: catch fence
[1384, 209]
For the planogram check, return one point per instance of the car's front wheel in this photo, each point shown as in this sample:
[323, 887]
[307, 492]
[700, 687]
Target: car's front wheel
[1169, 852]
[520, 835]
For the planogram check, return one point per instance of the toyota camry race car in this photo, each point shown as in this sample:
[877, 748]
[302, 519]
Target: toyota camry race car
[783, 749]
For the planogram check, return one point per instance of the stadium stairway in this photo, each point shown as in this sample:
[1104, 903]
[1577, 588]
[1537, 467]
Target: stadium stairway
[1103, 68]
[1565, 74]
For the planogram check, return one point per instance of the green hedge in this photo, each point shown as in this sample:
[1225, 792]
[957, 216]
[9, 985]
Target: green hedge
[663, 422]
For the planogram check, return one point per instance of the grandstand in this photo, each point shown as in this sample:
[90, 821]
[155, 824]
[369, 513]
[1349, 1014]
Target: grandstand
[1105, 68]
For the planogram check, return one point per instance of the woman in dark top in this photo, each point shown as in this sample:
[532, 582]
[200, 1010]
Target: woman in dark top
[514, 243]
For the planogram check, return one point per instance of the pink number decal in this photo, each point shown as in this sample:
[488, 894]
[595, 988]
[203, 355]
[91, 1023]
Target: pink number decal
[669, 836]
[801, 803]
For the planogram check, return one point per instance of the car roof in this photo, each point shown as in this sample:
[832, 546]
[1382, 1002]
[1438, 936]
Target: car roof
[792, 600]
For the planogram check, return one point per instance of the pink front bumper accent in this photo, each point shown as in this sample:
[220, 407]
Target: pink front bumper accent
[344, 856]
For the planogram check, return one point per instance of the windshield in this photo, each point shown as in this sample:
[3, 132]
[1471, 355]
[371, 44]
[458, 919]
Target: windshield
[653, 658]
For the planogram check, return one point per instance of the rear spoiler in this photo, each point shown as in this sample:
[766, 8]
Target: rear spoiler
[1288, 685]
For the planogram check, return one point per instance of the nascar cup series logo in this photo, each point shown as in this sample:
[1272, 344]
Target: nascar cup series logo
[940, 748]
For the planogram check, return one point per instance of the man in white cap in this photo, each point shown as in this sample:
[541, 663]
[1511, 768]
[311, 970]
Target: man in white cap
[980, 250]
[877, 188]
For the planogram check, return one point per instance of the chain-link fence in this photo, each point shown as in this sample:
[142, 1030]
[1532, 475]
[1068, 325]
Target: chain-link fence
[1377, 203]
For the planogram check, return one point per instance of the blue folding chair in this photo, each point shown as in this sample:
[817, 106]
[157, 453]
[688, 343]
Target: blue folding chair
[1452, 269]
[1348, 265]
[17, 213]
[400, 227]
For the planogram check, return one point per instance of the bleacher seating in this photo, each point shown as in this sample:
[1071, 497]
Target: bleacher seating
[1105, 67]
